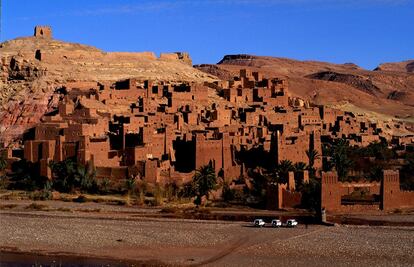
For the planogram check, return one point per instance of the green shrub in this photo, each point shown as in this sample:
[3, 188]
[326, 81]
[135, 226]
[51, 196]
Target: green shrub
[228, 194]
[311, 195]
[104, 185]
[41, 195]
[4, 182]
[81, 199]
[70, 175]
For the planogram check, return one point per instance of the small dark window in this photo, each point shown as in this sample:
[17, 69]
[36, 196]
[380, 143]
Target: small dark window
[38, 55]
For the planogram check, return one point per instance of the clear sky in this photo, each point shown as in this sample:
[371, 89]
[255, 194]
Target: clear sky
[365, 32]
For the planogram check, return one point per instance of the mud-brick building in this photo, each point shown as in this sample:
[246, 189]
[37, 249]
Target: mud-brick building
[164, 130]
[385, 195]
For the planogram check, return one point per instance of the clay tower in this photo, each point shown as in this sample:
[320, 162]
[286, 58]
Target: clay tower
[43, 31]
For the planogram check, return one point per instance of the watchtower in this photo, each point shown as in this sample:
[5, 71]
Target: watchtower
[43, 31]
[330, 193]
[390, 190]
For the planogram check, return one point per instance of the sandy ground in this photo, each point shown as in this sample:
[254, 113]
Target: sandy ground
[196, 242]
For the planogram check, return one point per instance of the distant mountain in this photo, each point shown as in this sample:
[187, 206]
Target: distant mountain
[404, 66]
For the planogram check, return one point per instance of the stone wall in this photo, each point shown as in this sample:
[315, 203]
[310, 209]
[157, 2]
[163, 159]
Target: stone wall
[391, 195]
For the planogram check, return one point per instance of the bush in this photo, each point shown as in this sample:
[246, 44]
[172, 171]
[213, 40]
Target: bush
[35, 206]
[158, 196]
[141, 188]
[186, 191]
[81, 199]
[397, 211]
[24, 176]
[70, 175]
[170, 210]
[41, 195]
[197, 201]
[4, 182]
[311, 195]
[104, 185]
[171, 191]
[228, 194]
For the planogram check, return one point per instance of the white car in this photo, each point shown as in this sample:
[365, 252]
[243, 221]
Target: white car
[259, 223]
[276, 223]
[291, 223]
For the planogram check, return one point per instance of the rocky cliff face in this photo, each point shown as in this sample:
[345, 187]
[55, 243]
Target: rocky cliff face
[356, 81]
[32, 68]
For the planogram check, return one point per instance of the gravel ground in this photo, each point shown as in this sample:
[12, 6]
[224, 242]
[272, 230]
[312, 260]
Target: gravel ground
[389, 217]
[196, 242]
[103, 207]
[335, 246]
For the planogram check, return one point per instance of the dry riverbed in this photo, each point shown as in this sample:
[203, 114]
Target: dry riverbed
[120, 233]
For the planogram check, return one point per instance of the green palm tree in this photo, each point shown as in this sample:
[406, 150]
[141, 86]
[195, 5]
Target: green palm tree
[283, 169]
[339, 158]
[204, 180]
[85, 178]
[23, 175]
[260, 179]
[299, 166]
[65, 174]
[312, 156]
[3, 162]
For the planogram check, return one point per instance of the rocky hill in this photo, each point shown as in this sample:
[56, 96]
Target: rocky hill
[404, 66]
[387, 92]
[32, 68]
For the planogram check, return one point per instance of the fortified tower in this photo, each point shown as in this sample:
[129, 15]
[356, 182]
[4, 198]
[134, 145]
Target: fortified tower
[390, 190]
[330, 193]
[43, 31]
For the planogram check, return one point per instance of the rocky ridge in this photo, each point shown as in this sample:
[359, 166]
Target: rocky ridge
[404, 66]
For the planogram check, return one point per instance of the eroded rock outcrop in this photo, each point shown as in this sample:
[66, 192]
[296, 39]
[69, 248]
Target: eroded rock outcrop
[361, 83]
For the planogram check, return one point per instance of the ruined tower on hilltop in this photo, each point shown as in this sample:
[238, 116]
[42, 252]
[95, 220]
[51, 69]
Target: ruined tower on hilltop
[43, 31]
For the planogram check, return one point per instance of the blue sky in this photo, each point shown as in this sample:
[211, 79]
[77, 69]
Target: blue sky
[366, 32]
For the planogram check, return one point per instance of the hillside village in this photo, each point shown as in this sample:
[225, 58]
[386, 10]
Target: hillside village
[161, 132]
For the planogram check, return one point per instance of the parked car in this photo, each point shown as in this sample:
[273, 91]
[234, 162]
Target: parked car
[259, 223]
[291, 223]
[276, 223]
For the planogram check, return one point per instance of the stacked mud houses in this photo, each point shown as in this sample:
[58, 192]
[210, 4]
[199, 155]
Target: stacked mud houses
[167, 130]
[163, 131]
